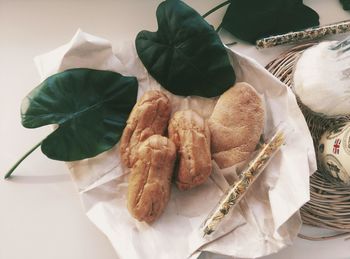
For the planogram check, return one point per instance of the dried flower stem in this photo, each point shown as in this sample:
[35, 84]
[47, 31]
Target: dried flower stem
[313, 33]
[236, 192]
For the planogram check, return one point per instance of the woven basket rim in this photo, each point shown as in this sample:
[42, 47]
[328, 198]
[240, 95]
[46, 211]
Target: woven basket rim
[328, 201]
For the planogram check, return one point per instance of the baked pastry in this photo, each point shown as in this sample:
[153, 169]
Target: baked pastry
[236, 125]
[150, 178]
[191, 136]
[149, 116]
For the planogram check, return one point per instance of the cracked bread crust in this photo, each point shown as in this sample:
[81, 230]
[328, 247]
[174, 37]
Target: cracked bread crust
[191, 136]
[150, 178]
[149, 116]
[236, 125]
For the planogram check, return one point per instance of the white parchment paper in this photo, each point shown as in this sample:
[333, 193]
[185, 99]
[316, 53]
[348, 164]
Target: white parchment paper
[265, 221]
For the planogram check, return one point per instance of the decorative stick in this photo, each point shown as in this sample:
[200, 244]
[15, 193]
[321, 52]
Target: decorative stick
[236, 191]
[312, 33]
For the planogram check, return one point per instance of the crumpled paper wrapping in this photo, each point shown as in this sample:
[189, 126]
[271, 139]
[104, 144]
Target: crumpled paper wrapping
[265, 221]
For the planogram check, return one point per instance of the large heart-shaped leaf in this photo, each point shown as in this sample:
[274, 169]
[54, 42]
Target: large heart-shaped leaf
[185, 55]
[250, 20]
[90, 107]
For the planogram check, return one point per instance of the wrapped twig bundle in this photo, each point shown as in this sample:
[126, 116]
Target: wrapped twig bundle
[236, 192]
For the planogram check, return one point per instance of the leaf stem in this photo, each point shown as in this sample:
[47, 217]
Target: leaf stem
[219, 28]
[216, 8]
[8, 174]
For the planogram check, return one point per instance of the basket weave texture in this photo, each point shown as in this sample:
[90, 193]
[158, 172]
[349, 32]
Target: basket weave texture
[329, 205]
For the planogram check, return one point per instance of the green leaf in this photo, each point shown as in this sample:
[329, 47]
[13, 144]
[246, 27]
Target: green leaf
[250, 20]
[185, 55]
[345, 4]
[90, 107]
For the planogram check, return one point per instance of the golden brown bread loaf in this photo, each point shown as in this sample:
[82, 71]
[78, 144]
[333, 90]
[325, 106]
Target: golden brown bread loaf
[236, 125]
[150, 178]
[149, 116]
[191, 136]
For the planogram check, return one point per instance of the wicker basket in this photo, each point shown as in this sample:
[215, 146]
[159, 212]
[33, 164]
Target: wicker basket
[329, 205]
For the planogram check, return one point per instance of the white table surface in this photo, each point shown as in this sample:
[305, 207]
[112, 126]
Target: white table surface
[40, 212]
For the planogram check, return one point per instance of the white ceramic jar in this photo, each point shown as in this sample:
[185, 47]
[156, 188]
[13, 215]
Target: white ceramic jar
[334, 154]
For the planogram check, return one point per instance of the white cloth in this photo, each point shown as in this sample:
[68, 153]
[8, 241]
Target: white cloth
[265, 221]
